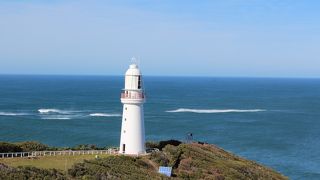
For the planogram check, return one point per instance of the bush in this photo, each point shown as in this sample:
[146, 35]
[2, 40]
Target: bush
[86, 147]
[172, 142]
[9, 147]
[160, 145]
[32, 146]
[29, 146]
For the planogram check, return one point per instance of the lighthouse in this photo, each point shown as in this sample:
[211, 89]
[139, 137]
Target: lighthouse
[132, 139]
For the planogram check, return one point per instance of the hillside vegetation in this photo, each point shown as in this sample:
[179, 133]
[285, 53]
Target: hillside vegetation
[189, 161]
[27, 146]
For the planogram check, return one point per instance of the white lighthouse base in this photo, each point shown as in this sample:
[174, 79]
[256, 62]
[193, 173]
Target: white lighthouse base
[132, 140]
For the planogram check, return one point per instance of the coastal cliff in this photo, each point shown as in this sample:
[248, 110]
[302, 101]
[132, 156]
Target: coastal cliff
[189, 161]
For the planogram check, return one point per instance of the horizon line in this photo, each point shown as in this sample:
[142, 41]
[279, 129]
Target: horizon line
[190, 76]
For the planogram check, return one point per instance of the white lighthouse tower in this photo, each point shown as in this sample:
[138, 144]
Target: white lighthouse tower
[132, 97]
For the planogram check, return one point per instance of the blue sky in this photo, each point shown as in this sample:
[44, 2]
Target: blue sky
[255, 38]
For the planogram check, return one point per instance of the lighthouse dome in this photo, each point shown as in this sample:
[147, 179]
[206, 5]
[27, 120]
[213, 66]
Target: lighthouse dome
[133, 70]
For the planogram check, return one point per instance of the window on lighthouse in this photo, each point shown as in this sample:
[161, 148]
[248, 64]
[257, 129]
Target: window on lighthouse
[139, 82]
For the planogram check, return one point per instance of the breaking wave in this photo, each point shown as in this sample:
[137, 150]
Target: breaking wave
[57, 114]
[215, 110]
[60, 114]
[56, 111]
[66, 114]
[104, 115]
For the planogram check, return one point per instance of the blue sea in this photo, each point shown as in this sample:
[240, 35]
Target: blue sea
[275, 122]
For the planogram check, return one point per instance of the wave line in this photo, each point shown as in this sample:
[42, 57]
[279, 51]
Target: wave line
[104, 115]
[181, 110]
[12, 114]
[56, 111]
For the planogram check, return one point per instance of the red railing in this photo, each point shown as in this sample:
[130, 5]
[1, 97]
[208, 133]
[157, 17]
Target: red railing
[132, 95]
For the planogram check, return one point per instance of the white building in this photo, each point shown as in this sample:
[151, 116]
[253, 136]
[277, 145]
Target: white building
[132, 97]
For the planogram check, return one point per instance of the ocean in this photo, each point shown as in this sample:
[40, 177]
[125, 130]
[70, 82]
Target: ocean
[275, 122]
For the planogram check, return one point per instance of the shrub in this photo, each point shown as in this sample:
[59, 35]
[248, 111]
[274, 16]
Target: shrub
[160, 145]
[172, 142]
[9, 147]
[86, 147]
[32, 146]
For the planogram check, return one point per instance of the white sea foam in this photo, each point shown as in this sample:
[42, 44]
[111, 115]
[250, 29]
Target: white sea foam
[55, 117]
[180, 110]
[46, 111]
[104, 115]
[55, 111]
[12, 114]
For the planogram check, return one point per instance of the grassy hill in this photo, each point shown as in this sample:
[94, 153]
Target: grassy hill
[189, 161]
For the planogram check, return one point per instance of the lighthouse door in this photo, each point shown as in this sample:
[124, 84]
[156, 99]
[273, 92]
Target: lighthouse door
[123, 148]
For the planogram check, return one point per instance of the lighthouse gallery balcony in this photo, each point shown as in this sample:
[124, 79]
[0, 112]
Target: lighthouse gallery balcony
[132, 95]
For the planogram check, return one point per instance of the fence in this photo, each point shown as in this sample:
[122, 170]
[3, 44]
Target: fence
[57, 153]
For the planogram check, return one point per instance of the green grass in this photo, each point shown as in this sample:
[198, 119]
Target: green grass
[49, 162]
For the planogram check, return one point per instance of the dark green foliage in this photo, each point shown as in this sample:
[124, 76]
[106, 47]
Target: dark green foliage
[22, 147]
[162, 144]
[86, 147]
[29, 146]
[32, 146]
[9, 173]
[9, 147]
